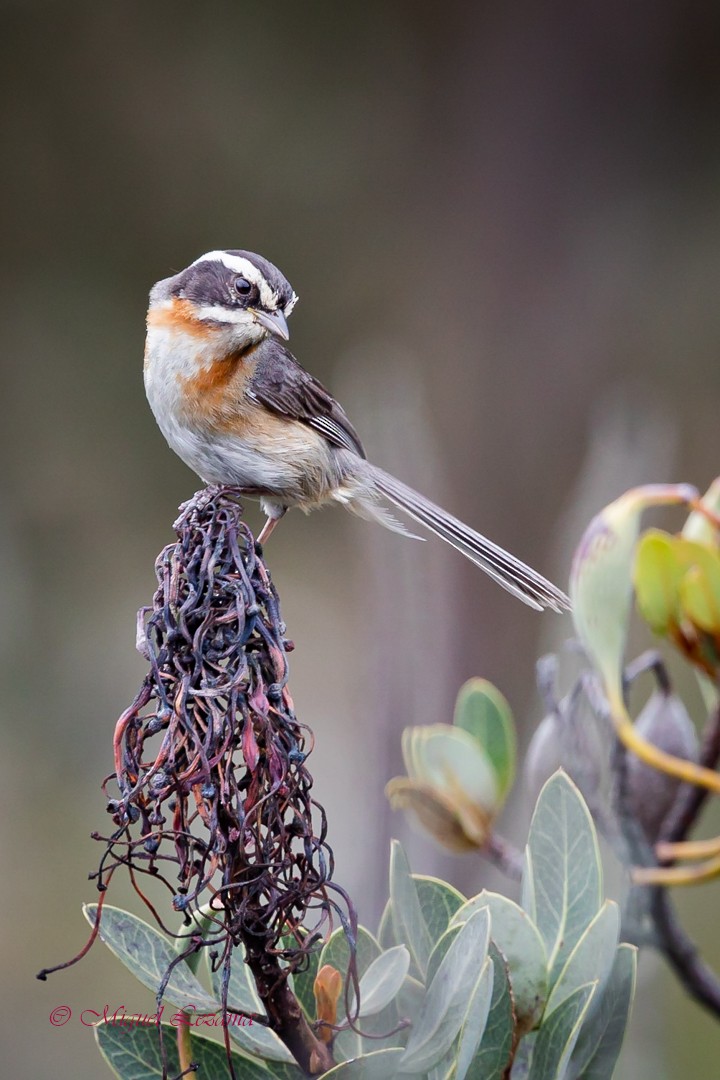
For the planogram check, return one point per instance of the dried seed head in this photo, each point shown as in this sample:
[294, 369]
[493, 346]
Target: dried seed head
[210, 758]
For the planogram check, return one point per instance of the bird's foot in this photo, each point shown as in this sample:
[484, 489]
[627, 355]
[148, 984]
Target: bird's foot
[198, 502]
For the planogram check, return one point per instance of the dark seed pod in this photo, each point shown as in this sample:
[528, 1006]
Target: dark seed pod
[665, 723]
[569, 737]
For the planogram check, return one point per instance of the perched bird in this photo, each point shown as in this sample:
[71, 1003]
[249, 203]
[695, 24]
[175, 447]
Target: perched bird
[236, 406]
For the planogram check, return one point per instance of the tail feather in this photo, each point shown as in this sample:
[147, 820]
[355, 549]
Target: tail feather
[515, 576]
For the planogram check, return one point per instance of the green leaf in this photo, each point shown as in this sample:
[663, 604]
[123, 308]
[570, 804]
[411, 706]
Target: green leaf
[148, 955]
[438, 903]
[385, 934]
[558, 1034]
[133, 1053]
[382, 1065]
[409, 926]
[674, 575]
[592, 958]
[517, 938]
[657, 575]
[253, 1038]
[492, 1056]
[349, 1044]
[483, 712]
[475, 1020]
[598, 1048]
[410, 998]
[601, 579]
[527, 887]
[445, 1002]
[700, 592]
[451, 760]
[565, 868]
[336, 952]
[382, 981]
[439, 952]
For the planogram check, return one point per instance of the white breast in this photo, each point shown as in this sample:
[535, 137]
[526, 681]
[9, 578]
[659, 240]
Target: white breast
[301, 458]
[169, 358]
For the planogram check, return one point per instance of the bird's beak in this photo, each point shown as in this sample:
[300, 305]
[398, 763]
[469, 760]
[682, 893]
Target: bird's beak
[274, 321]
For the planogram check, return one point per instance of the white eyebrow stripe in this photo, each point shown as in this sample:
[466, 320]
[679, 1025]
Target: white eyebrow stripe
[218, 313]
[239, 265]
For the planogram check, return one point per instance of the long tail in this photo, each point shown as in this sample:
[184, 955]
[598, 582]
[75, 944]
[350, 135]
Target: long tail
[515, 576]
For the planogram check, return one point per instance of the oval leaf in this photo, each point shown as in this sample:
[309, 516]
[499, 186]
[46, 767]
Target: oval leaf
[565, 867]
[675, 576]
[134, 1053]
[451, 760]
[518, 940]
[601, 578]
[601, 1038]
[657, 576]
[556, 1039]
[475, 1021]
[592, 958]
[484, 713]
[493, 1055]
[409, 925]
[382, 980]
[438, 953]
[700, 593]
[410, 998]
[445, 1002]
[148, 955]
[385, 934]
[336, 951]
[527, 887]
[438, 903]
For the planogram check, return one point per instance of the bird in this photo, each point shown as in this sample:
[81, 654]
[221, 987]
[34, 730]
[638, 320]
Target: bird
[238, 408]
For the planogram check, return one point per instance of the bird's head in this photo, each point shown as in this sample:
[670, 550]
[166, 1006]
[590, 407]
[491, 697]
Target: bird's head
[234, 296]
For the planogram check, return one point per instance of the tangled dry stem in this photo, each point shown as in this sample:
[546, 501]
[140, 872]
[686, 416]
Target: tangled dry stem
[210, 763]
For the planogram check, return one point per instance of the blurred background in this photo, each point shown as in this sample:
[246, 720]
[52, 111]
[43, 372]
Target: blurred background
[503, 223]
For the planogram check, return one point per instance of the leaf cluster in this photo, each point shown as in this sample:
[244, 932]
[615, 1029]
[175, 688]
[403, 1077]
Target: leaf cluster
[459, 775]
[450, 988]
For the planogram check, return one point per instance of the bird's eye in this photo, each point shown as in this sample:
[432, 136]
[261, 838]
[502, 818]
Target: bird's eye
[243, 286]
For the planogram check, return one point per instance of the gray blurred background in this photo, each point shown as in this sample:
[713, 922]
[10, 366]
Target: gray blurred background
[503, 223]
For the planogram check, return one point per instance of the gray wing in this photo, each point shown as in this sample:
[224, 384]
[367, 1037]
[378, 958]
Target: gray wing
[283, 386]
